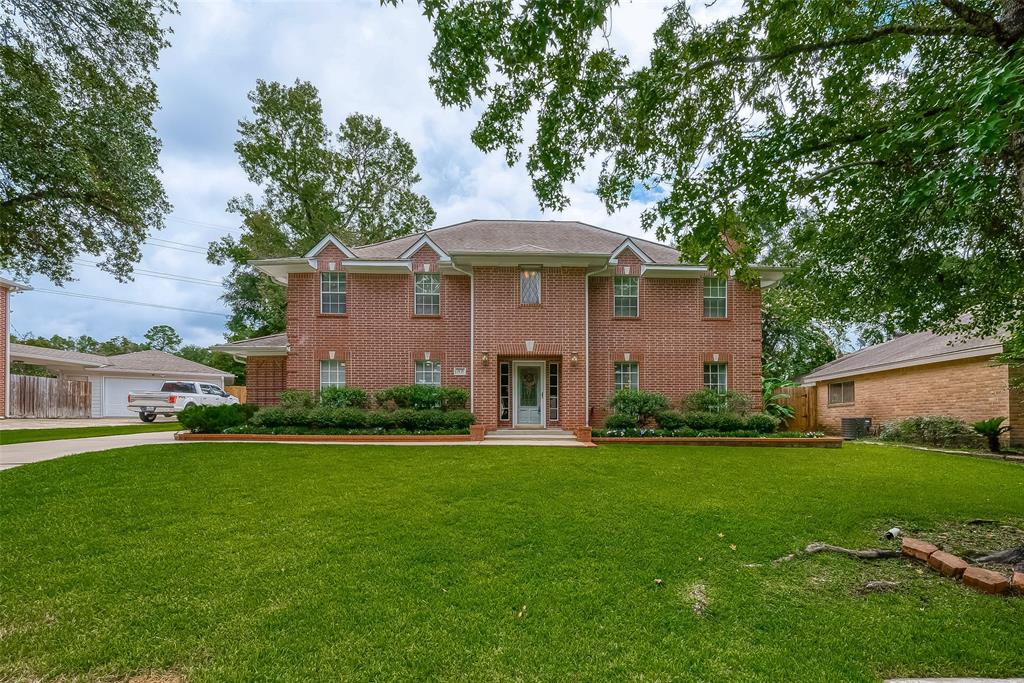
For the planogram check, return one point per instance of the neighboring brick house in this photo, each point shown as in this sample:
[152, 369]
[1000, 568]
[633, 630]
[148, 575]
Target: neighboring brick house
[540, 320]
[7, 287]
[919, 374]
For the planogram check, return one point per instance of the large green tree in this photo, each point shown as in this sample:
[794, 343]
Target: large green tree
[356, 183]
[885, 138]
[78, 155]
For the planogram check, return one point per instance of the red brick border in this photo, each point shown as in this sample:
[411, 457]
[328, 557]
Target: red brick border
[787, 441]
[328, 438]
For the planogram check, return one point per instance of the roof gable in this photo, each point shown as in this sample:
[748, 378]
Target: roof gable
[630, 245]
[329, 239]
[424, 241]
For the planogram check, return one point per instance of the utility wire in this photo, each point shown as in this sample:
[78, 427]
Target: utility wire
[129, 302]
[164, 276]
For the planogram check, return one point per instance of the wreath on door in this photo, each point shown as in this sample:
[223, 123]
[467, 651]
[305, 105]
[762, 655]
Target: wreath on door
[529, 380]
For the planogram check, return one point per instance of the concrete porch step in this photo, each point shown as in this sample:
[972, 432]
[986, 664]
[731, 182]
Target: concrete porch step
[529, 435]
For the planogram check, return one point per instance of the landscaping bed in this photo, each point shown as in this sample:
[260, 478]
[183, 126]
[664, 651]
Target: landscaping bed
[725, 440]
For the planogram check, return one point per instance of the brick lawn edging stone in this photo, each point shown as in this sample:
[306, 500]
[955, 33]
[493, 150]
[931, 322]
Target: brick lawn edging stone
[796, 442]
[954, 567]
[327, 438]
[1018, 581]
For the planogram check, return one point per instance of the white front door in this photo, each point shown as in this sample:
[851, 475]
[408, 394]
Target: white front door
[528, 404]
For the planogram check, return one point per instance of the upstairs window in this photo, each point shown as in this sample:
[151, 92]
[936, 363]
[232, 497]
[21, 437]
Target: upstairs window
[627, 376]
[332, 292]
[332, 374]
[627, 297]
[716, 377]
[840, 393]
[529, 285]
[428, 372]
[428, 294]
[714, 297]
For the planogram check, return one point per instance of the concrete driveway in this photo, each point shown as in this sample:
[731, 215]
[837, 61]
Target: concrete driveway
[23, 453]
[64, 422]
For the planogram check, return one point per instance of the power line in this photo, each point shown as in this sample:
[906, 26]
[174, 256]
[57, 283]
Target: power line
[164, 276]
[129, 302]
[203, 224]
[189, 250]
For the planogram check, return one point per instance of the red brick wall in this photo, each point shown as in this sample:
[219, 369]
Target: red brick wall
[671, 340]
[379, 338]
[5, 302]
[265, 379]
[972, 389]
[556, 323]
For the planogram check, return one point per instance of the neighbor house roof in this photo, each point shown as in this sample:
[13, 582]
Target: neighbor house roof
[148, 362]
[905, 351]
[269, 345]
[11, 284]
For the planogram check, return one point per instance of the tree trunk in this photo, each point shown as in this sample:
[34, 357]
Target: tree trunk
[874, 554]
[1011, 556]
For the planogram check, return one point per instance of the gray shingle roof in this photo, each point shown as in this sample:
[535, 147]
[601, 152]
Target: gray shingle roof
[146, 361]
[268, 341]
[489, 236]
[910, 349]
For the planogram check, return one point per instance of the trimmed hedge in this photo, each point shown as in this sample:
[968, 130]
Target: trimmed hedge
[377, 421]
[344, 397]
[641, 406]
[711, 401]
[215, 419]
[423, 397]
[946, 432]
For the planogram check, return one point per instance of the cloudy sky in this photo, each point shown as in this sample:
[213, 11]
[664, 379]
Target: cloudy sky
[362, 57]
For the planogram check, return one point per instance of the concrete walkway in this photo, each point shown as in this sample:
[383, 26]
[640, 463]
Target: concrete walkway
[12, 455]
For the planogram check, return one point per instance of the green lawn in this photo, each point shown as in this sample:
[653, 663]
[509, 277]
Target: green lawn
[221, 562]
[13, 436]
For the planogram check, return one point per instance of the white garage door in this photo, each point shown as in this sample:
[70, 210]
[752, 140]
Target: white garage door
[116, 390]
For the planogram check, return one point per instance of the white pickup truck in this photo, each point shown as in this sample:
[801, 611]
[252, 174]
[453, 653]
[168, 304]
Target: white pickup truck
[174, 397]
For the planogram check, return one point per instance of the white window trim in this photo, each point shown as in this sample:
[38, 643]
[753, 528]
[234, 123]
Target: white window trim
[416, 293]
[725, 299]
[436, 369]
[615, 373]
[344, 293]
[540, 284]
[344, 373]
[636, 279]
[725, 384]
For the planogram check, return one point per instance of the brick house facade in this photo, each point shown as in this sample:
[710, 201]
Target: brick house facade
[525, 318]
[921, 374]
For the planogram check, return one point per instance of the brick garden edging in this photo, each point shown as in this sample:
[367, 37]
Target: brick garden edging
[782, 441]
[327, 438]
[985, 580]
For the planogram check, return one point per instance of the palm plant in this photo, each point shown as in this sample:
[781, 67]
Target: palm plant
[991, 430]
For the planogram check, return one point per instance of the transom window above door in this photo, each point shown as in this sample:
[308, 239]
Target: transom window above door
[529, 285]
[428, 294]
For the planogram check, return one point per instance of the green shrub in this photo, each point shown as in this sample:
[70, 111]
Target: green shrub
[620, 421]
[414, 396]
[945, 432]
[719, 422]
[459, 419]
[763, 423]
[454, 398]
[670, 420]
[641, 405]
[344, 397]
[711, 401]
[991, 430]
[215, 419]
[294, 398]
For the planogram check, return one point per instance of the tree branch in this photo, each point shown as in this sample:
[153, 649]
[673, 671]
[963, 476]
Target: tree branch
[842, 167]
[969, 15]
[863, 39]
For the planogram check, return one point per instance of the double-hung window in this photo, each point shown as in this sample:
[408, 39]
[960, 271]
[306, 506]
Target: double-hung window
[529, 285]
[627, 376]
[627, 297]
[428, 372]
[716, 377]
[332, 292]
[428, 294]
[332, 374]
[840, 393]
[715, 305]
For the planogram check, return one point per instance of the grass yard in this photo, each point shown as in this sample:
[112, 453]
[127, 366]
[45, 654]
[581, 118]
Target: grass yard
[228, 562]
[13, 436]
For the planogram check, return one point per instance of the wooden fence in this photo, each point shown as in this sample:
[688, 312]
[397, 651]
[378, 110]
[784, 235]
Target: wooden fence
[49, 397]
[804, 401]
[236, 391]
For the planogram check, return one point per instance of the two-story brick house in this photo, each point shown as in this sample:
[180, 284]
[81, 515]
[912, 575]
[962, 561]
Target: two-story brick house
[541, 320]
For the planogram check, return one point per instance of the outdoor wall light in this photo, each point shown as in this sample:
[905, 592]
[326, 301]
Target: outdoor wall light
[574, 358]
[485, 357]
